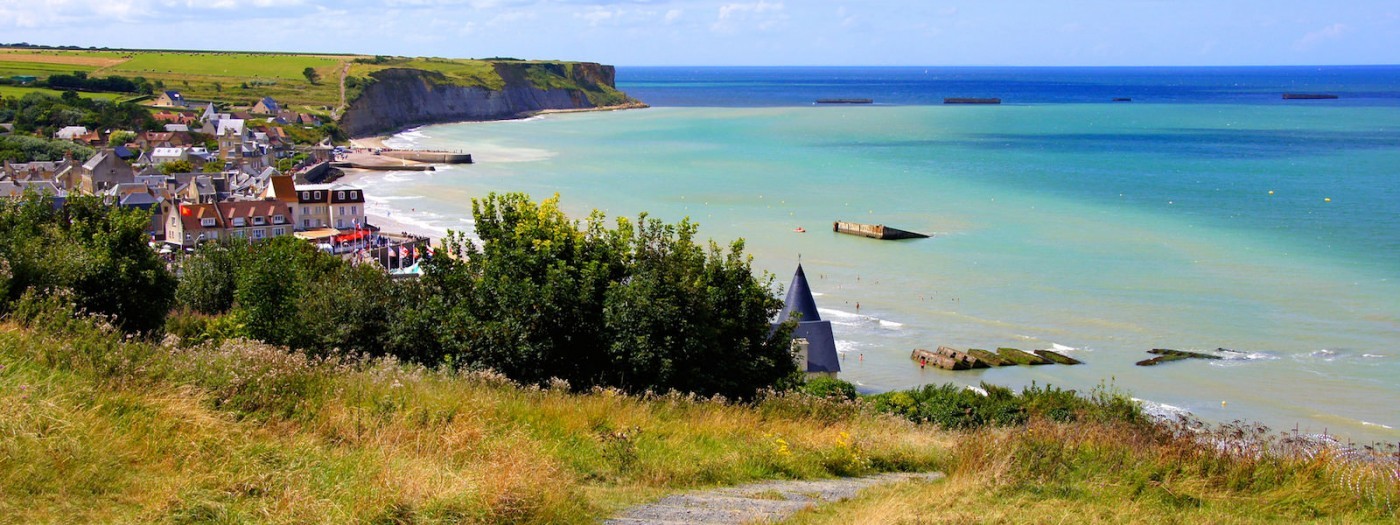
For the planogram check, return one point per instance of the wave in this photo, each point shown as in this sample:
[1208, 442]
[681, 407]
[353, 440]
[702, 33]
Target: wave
[1237, 355]
[1157, 410]
[1370, 424]
[852, 319]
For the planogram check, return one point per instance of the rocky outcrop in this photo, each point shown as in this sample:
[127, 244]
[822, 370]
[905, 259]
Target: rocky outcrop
[402, 98]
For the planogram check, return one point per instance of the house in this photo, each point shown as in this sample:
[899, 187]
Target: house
[177, 128]
[164, 155]
[141, 196]
[193, 224]
[812, 339]
[103, 171]
[265, 106]
[172, 117]
[70, 133]
[210, 113]
[170, 99]
[337, 206]
[307, 119]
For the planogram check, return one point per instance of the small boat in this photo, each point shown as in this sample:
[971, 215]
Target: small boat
[845, 101]
[800, 229]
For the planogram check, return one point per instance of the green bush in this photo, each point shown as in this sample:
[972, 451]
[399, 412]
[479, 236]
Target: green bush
[829, 387]
[97, 253]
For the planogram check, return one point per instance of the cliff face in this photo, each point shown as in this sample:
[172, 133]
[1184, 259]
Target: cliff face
[403, 98]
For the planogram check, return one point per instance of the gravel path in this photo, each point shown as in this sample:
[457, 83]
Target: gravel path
[765, 502]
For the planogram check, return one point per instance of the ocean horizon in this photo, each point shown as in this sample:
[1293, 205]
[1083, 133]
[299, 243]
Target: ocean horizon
[1207, 212]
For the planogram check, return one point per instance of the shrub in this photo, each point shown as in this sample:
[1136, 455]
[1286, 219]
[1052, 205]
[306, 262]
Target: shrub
[829, 387]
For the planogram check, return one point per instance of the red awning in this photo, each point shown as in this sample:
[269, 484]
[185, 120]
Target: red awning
[357, 235]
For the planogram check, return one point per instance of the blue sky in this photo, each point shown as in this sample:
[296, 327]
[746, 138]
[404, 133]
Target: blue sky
[742, 32]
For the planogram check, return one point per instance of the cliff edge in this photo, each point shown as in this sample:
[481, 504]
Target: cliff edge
[397, 98]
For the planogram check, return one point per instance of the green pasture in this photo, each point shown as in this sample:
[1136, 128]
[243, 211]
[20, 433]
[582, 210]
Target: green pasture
[235, 65]
[20, 91]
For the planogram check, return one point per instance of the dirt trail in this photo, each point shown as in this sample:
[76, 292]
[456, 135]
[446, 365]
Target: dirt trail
[764, 502]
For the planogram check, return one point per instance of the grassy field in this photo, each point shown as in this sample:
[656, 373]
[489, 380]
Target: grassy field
[99, 427]
[96, 428]
[20, 91]
[240, 79]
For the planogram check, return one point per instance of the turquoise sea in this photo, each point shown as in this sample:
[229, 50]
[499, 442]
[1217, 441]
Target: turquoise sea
[1205, 213]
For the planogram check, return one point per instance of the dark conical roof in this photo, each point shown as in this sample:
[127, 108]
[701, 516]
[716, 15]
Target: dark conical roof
[799, 299]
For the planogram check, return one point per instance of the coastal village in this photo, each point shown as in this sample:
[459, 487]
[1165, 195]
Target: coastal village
[212, 175]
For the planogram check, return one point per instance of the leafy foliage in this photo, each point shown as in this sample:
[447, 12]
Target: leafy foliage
[29, 149]
[43, 114]
[637, 307]
[86, 248]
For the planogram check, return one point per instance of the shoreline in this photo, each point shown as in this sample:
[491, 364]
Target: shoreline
[377, 140]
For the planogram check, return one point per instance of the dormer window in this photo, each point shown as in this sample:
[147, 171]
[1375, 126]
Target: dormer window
[259, 220]
[340, 195]
[354, 195]
[240, 221]
[318, 196]
[306, 195]
[278, 219]
[207, 222]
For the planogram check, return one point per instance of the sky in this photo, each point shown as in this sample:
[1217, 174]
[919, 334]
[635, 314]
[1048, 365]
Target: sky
[742, 32]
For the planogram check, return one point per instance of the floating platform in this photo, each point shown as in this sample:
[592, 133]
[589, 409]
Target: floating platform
[927, 357]
[875, 231]
[989, 357]
[947, 359]
[845, 101]
[1309, 96]
[971, 100]
[1021, 358]
[1058, 358]
[1167, 355]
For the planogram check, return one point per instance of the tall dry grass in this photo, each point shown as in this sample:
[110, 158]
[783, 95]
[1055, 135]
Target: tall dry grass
[1114, 472]
[99, 427]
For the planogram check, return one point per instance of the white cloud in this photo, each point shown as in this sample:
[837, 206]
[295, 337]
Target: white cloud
[1331, 32]
[761, 14]
[673, 15]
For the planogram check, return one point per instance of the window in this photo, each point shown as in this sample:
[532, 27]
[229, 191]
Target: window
[340, 223]
[258, 234]
[340, 195]
[306, 223]
[277, 232]
[259, 220]
[212, 235]
[240, 222]
[207, 222]
[354, 210]
[353, 195]
[318, 196]
[278, 219]
[188, 238]
[306, 195]
[306, 210]
[342, 210]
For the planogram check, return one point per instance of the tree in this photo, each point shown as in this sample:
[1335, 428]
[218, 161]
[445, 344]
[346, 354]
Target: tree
[208, 277]
[640, 308]
[94, 252]
[176, 166]
[311, 75]
[120, 137]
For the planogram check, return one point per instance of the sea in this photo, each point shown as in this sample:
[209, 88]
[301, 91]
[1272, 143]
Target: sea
[1205, 213]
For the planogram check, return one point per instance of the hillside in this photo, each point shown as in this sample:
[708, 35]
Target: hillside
[505, 88]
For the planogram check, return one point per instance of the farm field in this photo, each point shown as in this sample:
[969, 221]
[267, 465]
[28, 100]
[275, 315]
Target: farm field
[20, 91]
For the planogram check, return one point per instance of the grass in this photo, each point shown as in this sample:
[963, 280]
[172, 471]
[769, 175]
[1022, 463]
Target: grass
[1111, 473]
[221, 76]
[100, 427]
[20, 91]
[97, 427]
